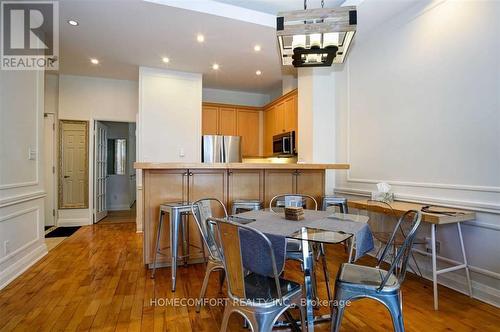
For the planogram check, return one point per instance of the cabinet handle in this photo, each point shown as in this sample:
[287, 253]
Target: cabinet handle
[185, 174]
[190, 174]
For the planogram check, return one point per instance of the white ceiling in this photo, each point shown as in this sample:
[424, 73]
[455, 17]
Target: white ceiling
[127, 34]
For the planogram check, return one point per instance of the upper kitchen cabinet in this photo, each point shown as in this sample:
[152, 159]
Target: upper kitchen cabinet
[234, 120]
[248, 127]
[227, 121]
[290, 113]
[210, 120]
[280, 116]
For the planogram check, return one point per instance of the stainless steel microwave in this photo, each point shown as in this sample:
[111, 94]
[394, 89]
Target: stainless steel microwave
[284, 144]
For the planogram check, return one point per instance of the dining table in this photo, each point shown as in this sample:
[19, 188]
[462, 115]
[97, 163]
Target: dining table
[320, 227]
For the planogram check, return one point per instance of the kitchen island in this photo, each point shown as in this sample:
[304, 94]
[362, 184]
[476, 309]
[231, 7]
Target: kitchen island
[188, 182]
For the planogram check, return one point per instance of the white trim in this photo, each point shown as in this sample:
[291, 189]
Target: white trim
[63, 222]
[121, 207]
[33, 241]
[38, 113]
[15, 270]
[13, 200]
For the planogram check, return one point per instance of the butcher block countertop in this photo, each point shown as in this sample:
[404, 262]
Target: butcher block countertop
[147, 165]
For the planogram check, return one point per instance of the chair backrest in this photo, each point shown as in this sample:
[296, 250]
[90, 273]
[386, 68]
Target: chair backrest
[202, 210]
[400, 262]
[229, 235]
[296, 200]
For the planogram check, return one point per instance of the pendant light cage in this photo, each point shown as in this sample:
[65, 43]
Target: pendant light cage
[316, 37]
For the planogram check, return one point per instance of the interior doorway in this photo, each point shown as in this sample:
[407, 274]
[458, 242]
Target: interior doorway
[114, 173]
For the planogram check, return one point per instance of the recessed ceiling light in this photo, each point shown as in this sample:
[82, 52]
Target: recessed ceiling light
[200, 38]
[215, 66]
[165, 59]
[258, 73]
[257, 48]
[73, 23]
[94, 61]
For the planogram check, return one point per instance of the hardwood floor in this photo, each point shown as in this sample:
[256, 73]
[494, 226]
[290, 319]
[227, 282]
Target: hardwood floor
[95, 280]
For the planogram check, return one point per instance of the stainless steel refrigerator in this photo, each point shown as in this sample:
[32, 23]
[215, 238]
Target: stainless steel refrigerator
[221, 149]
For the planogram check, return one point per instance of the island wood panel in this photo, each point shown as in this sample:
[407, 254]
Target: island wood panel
[249, 129]
[311, 182]
[205, 184]
[160, 186]
[227, 121]
[278, 182]
[210, 120]
[245, 184]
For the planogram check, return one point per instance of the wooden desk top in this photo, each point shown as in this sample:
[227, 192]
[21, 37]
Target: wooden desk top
[400, 208]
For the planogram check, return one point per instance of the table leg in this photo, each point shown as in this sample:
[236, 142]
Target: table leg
[174, 242]
[467, 273]
[434, 266]
[307, 263]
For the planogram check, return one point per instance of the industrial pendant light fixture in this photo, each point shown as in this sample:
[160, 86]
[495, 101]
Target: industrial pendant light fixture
[315, 37]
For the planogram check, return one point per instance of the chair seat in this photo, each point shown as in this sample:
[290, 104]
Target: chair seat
[262, 289]
[366, 277]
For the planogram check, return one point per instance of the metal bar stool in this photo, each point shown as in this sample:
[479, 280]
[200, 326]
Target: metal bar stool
[341, 202]
[177, 212]
[244, 205]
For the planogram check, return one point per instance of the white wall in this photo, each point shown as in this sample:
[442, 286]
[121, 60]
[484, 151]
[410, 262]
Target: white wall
[89, 99]
[235, 97]
[85, 98]
[418, 106]
[169, 116]
[21, 179]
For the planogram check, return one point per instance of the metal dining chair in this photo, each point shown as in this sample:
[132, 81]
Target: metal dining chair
[262, 296]
[375, 213]
[355, 282]
[202, 210]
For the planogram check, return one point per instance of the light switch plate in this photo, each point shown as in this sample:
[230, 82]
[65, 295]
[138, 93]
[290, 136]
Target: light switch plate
[31, 153]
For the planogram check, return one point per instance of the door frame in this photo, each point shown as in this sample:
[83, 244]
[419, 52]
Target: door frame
[86, 202]
[91, 148]
[52, 160]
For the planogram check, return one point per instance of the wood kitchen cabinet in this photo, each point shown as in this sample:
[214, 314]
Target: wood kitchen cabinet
[248, 127]
[309, 182]
[245, 184]
[269, 115]
[280, 116]
[227, 121]
[210, 120]
[161, 186]
[234, 120]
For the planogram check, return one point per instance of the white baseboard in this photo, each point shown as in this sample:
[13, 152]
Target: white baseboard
[21, 265]
[73, 222]
[119, 207]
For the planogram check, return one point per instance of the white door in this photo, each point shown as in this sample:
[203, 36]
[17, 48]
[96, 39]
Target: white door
[100, 170]
[49, 169]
